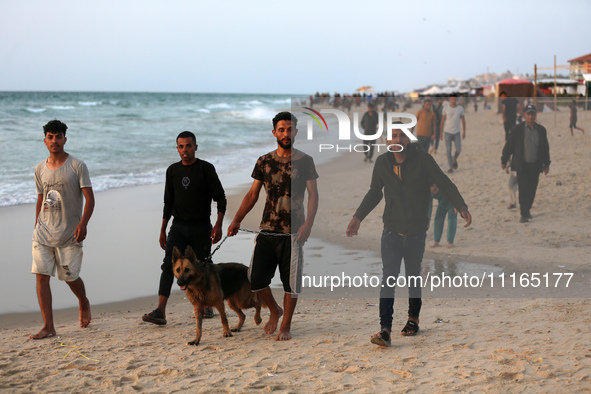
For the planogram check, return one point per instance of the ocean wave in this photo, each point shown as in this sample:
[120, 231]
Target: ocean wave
[36, 110]
[89, 103]
[61, 107]
[282, 101]
[251, 102]
[219, 106]
[258, 114]
[205, 111]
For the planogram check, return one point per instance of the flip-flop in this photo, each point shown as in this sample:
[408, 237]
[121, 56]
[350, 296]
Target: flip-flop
[154, 317]
[382, 338]
[410, 329]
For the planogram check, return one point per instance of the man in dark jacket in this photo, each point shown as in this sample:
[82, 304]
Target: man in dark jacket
[404, 175]
[528, 144]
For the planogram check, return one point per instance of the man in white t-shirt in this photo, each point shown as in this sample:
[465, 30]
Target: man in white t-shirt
[453, 116]
[62, 184]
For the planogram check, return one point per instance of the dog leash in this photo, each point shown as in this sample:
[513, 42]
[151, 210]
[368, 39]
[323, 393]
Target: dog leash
[248, 231]
[219, 246]
[265, 233]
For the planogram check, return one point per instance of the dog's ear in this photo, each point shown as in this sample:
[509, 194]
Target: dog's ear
[176, 254]
[190, 254]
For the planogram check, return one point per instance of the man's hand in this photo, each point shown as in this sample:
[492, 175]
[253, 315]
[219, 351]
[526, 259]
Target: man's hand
[216, 233]
[546, 169]
[233, 228]
[503, 166]
[467, 217]
[304, 233]
[80, 233]
[353, 227]
[163, 240]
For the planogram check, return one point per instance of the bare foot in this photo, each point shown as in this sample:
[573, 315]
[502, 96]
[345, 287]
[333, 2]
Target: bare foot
[435, 244]
[271, 325]
[283, 335]
[449, 245]
[85, 315]
[44, 333]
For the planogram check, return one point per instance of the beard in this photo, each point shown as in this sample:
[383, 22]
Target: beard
[284, 145]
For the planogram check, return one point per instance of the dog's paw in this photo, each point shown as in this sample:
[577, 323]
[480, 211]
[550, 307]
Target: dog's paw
[193, 343]
[257, 320]
[227, 334]
[235, 329]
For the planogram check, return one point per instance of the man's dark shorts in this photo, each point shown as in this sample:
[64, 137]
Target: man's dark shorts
[272, 250]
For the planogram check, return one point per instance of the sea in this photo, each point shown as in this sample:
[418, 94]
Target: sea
[128, 139]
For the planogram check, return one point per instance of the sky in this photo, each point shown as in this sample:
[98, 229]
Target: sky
[295, 47]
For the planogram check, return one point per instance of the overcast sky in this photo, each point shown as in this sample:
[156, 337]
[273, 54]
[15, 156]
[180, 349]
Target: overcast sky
[294, 47]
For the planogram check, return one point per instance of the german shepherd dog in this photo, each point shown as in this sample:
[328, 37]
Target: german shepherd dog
[208, 285]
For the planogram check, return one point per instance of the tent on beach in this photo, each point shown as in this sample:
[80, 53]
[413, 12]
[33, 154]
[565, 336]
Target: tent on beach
[514, 88]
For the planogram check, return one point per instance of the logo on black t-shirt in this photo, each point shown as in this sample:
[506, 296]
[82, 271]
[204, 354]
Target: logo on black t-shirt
[186, 182]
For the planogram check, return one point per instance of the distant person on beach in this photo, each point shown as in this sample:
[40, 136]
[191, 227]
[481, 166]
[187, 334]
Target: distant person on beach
[510, 109]
[404, 179]
[528, 144]
[444, 208]
[63, 184]
[369, 124]
[286, 173]
[453, 116]
[425, 125]
[438, 111]
[191, 185]
[573, 118]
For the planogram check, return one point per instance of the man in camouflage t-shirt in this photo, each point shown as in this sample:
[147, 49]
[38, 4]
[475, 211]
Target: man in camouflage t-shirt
[286, 173]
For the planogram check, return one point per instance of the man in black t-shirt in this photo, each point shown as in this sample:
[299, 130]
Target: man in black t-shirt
[191, 185]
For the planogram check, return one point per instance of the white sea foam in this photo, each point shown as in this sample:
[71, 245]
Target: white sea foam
[89, 103]
[35, 110]
[251, 102]
[219, 106]
[61, 107]
[258, 113]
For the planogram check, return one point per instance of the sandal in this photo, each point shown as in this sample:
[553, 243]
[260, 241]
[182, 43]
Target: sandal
[410, 329]
[155, 317]
[382, 338]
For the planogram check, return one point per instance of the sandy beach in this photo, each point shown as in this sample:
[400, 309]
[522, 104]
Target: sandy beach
[498, 341]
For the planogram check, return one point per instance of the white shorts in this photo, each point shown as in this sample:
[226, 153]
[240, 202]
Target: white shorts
[66, 260]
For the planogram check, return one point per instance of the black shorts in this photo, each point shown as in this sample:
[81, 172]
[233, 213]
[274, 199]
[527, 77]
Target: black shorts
[271, 251]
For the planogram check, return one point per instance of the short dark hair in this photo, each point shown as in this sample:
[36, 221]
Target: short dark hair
[453, 95]
[55, 126]
[503, 93]
[285, 116]
[186, 134]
